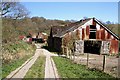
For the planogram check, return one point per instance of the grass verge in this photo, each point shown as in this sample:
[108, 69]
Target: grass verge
[37, 70]
[14, 55]
[7, 68]
[67, 69]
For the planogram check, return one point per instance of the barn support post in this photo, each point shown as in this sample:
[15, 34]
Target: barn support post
[103, 63]
[87, 59]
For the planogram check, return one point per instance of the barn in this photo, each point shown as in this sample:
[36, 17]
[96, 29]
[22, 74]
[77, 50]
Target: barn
[85, 36]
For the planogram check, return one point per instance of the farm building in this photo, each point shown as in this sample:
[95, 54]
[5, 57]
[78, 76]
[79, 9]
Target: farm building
[39, 37]
[85, 36]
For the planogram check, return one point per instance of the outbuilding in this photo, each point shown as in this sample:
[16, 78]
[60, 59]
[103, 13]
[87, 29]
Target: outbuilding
[85, 36]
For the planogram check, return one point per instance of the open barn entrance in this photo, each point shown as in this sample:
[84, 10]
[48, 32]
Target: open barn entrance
[92, 47]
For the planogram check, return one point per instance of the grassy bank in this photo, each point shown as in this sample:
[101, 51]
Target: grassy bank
[37, 70]
[67, 69]
[14, 55]
[7, 68]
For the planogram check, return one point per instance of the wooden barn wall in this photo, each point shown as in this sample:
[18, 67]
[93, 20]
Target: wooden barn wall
[114, 48]
[50, 41]
[83, 33]
[57, 44]
[101, 34]
[93, 22]
[87, 32]
[78, 34]
[98, 34]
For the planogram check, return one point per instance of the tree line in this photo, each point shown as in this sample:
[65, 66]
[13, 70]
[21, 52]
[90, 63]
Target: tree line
[16, 21]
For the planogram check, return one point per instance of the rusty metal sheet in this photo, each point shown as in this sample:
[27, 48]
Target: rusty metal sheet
[79, 47]
[105, 48]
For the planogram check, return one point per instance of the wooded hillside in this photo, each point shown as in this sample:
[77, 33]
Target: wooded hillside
[12, 29]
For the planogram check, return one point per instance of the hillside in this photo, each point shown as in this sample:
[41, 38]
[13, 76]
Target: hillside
[12, 28]
[114, 28]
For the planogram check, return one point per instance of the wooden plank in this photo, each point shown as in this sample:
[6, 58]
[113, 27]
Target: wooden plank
[97, 34]
[78, 34]
[114, 46]
[87, 30]
[83, 35]
[102, 34]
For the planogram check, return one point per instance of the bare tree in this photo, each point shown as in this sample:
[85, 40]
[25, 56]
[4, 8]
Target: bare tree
[13, 10]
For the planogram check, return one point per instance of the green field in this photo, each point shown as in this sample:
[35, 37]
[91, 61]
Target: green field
[67, 69]
[37, 70]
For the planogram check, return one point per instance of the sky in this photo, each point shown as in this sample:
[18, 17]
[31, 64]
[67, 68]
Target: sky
[69, 0]
[74, 10]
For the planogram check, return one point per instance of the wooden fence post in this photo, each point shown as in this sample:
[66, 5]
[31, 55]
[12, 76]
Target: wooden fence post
[103, 62]
[87, 59]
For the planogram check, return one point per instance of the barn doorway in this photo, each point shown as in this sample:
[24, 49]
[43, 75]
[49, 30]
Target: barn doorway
[93, 47]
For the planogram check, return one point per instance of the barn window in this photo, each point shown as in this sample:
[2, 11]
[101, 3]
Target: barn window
[92, 32]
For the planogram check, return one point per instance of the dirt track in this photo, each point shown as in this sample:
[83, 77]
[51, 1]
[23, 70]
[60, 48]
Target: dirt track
[22, 70]
[50, 68]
